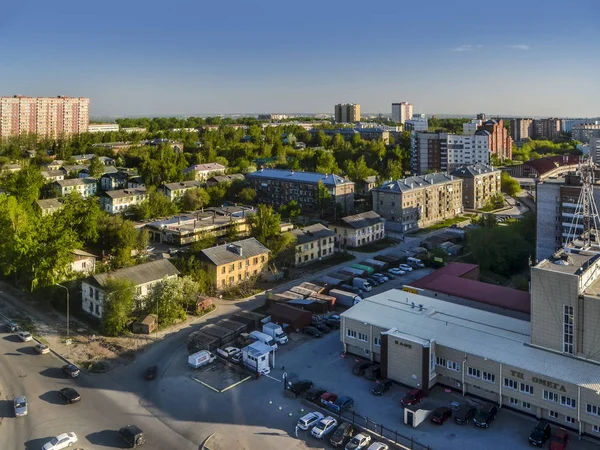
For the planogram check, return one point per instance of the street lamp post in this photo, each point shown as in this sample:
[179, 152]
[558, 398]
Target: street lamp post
[68, 317]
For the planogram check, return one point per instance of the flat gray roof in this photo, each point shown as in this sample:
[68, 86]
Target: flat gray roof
[294, 175]
[574, 260]
[417, 182]
[481, 333]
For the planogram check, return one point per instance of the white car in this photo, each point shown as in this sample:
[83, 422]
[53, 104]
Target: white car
[228, 352]
[309, 420]
[324, 427]
[25, 336]
[61, 441]
[396, 271]
[378, 446]
[358, 442]
[405, 267]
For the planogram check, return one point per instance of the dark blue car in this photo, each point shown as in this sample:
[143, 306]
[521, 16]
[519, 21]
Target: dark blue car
[340, 404]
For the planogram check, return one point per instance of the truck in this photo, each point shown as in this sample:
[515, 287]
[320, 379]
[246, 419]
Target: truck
[330, 281]
[363, 284]
[367, 269]
[201, 358]
[379, 265]
[276, 332]
[345, 298]
[264, 338]
[415, 262]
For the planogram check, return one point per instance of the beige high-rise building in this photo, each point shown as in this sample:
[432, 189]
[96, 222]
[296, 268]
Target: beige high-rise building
[401, 112]
[44, 116]
[347, 112]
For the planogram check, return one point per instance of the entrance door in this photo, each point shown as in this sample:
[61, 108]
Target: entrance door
[409, 418]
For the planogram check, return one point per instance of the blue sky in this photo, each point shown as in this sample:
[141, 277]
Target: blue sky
[526, 57]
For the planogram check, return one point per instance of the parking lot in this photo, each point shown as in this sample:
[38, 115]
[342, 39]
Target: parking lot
[221, 376]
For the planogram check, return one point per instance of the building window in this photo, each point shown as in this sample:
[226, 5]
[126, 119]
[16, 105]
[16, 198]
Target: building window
[592, 409]
[351, 333]
[489, 377]
[553, 414]
[362, 337]
[377, 341]
[513, 401]
[550, 396]
[526, 388]
[223, 269]
[570, 420]
[453, 366]
[567, 401]
[596, 428]
[568, 328]
[440, 361]
[526, 405]
[511, 384]
[91, 292]
[472, 372]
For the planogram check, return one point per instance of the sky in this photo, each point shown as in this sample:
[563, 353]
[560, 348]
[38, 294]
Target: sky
[157, 58]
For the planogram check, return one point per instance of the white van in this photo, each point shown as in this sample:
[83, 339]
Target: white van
[415, 262]
[264, 338]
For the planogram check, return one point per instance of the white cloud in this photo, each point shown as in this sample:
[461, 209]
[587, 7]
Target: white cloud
[464, 48]
[520, 46]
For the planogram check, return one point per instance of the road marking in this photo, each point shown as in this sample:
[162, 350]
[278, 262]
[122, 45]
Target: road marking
[272, 378]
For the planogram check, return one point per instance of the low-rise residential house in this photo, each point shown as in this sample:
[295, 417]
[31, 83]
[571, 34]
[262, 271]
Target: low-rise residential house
[480, 184]
[174, 191]
[202, 172]
[235, 263]
[83, 262]
[143, 276]
[218, 179]
[121, 199]
[136, 182]
[364, 187]
[85, 186]
[86, 172]
[74, 169]
[10, 168]
[359, 229]
[54, 165]
[313, 243]
[112, 181]
[51, 176]
[48, 206]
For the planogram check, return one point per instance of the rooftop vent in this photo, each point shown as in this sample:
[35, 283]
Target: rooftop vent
[412, 305]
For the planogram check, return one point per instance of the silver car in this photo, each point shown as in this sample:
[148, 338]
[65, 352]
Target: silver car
[20, 406]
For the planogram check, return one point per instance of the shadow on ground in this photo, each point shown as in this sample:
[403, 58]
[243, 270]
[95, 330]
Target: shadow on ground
[36, 444]
[7, 408]
[52, 397]
[106, 438]
[27, 350]
[52, 372]
[12, 338]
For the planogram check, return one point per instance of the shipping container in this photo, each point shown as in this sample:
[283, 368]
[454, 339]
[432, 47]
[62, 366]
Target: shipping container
[225, 335]
[235, 326]
[369, 270]
[201, 341]
[252, 319]
[345, 298]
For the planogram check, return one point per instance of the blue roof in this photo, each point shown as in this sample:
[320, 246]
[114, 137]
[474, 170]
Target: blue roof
[306, 177]
[257, 349]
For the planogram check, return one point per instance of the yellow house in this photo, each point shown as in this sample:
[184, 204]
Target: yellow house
[234, 263]
[313, 243]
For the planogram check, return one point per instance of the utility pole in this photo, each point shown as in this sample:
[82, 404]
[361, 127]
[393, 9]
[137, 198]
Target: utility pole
[68, 318]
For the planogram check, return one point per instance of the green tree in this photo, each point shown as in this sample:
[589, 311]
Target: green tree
[118, 306]
[17, 243]
[247, 195]
[80, 215]
[157, 205]
[290, 210]
[509, 184]
[325, 162]
[323, 196]
[96, 167]
[359, 171]
[283, 247]
[194, 199]
[25, 184]
[264, 224]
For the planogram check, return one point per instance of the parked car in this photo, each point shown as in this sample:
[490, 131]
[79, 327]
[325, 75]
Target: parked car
[328, 398]
[70, 370]
[405, 268]
[360, 367]
[440, 415]
[324, 427]
[237, 358]
[321, 327]
[228, 352]
[559, 440]
[150, 373]
[540, 434]
[373, 281]
[61, 441]
[308, 420]
[396, 271]
[340, 404]
[373, 372]
[132, 435]
[378, 446]
[381, 386]
[20, 403]
[380, 275]
[25, 336]
[358, 442]
[42, 349]
[312, 331]
[485, 415]
[69, 395]
[465, 414]
[348, 288]
[390, 275]
[314, 394]
[300, 387]
[412, 397]
[332, 323]
[12, 326]
[342, 434]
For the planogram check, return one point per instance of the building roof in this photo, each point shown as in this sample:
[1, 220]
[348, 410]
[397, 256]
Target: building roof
[235, 251]
[474, 170]
[140, 274]
[78, 252]
[208, 167]
[75, 182]
[257, 349]
[455, 269]
[304, 177]
[371, 179]
[312, 233]
[473, 331]
[120, 193]
[549, 163]
[227, 178]
[49, 203]
[287, 313]
[118, 174]
[362, 220]
[416, 182]
[181, 185]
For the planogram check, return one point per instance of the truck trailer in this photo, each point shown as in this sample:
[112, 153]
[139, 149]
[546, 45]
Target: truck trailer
[344, 298]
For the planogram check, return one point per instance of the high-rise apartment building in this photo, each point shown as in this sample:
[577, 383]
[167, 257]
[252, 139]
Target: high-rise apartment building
[44, 116]
[546, 128]
[401, 112]
[521, 129]
[347, 112]
[566, 125]
[585, 132]
[500, 140]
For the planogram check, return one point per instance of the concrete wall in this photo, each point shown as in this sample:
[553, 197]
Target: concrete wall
[405, 361]
[547, 202]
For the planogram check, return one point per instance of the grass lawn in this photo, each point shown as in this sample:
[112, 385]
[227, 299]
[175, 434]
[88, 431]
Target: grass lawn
[446, 223]
[376, 246]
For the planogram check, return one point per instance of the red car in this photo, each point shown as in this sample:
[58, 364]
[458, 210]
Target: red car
[559, 440]
[440, 415]
[328, 398]
[412, 397]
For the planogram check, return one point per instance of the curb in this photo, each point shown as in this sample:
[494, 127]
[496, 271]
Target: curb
[203, 446]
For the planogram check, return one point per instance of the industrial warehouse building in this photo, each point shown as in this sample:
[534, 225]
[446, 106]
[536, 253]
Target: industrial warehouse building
[548, 367]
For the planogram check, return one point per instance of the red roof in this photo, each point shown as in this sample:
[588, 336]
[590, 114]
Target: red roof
[478, 291]
[455, 269]
[543, 165]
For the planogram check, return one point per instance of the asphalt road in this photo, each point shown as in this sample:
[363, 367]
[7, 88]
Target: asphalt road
[104, 408]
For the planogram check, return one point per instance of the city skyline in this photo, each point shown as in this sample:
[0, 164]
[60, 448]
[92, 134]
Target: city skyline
[131, 60]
